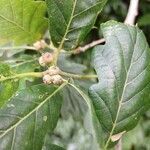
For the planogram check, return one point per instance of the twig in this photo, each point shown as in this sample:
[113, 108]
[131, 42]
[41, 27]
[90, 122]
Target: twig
[77, 76]
[132, 12]
[88, 46]
[40, 74]
[23, 75]
[130, 19]
[18, 47]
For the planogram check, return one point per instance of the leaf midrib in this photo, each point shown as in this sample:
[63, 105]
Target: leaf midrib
[35, 109]
[70, 21]
[121, 99]
[68, 26]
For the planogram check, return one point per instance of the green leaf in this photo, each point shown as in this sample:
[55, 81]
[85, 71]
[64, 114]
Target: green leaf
[134, 137]
[28, 116]
[52, 147]
[24, 63]
[72, 104]
[91, 122]
[7, 88]
[123, 68]
[144, 20]
[69, 63]
[71, 20]
[50, 144]
[22, 21]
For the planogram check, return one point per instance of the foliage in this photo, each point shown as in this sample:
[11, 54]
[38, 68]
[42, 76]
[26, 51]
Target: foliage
[52, 96]
[122, 66]
[22, 22]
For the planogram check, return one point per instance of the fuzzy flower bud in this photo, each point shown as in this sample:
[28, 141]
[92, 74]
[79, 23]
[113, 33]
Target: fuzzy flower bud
[40, 45]
[45, 59]
[55, 79]
[47, 79]
[53, 70]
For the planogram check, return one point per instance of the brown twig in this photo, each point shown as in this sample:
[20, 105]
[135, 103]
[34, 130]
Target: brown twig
[88, 46]
[130, 19]
[132, 12]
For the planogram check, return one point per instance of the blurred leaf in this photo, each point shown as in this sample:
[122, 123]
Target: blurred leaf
[24, 63]
[71, 20]
[7, 88]
[68, 65]
[28, 116]
[123, 68]
[93, 125]
[144, 20]
[73, 104]
[52, 147]
[22, 22]
[133, 137]
[71, 134]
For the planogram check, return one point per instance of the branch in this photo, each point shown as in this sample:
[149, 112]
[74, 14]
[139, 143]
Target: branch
[22, 75]
[76, 76]
[18, 47]
[132, 12]
[88, 46]
[130, 19]
[41, 74]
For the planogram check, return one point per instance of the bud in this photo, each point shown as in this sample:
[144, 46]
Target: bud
[45, 59]
[53, 70]
[40, 45]
[47, 79]
[54, 79]
[57, 80]
[41, 62]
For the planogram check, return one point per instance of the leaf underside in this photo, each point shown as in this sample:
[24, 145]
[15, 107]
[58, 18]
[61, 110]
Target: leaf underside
[123, 68]
[71, 20]
[28, 116]
[22, 21]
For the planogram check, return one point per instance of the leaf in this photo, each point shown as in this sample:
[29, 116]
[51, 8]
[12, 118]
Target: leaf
[52, 147]
[71, 20]
[133, 138]
[22, 21]
[144, 20]
[49, 144]
[68, 64]
[24, 63]
[93, 126]
[28, 116]
[123, 68]
[72, 104]
[7, 88]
